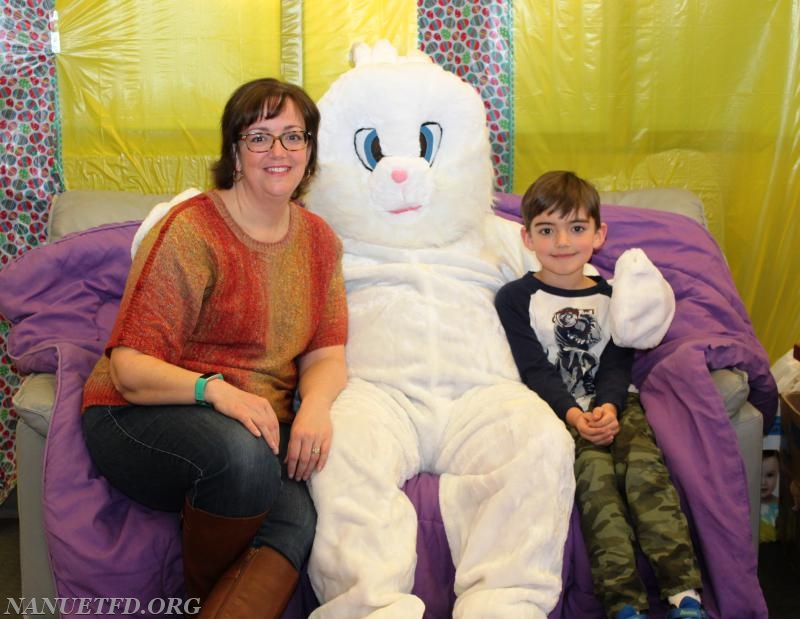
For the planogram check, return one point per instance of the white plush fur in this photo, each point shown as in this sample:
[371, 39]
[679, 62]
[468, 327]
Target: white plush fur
[433, 386]
[642, 304]
[155, 215]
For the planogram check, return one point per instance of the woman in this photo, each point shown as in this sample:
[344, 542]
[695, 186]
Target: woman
[234, 303]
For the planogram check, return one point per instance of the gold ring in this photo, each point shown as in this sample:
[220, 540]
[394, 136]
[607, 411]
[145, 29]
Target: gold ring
[316, 450]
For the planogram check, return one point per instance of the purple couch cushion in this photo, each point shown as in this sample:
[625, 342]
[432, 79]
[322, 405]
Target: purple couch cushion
[62, 300]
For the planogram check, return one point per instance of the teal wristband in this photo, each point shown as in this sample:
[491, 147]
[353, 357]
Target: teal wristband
[200, 386]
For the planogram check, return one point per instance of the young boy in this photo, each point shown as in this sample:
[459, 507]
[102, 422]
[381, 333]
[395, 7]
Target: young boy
[557, 324]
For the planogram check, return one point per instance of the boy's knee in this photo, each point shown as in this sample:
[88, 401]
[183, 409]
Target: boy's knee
[594, 460]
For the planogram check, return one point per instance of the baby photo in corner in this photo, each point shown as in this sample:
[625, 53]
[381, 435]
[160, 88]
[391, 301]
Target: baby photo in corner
[770, 477]
[770, 483]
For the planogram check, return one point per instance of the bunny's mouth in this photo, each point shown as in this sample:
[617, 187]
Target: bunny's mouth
[405, 209]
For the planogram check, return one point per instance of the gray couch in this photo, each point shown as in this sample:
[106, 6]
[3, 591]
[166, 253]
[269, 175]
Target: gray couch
[78, 210]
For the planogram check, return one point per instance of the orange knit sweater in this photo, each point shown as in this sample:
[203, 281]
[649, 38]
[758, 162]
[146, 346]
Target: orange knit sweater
[203, 295]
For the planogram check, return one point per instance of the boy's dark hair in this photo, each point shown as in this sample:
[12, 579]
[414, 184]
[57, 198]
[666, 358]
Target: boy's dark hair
[562, 193]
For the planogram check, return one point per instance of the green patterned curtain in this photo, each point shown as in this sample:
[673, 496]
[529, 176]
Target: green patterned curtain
[473, 39]
[29, 167]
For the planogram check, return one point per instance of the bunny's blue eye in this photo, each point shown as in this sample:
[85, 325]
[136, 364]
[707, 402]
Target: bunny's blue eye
[430, 137]
[368, 147]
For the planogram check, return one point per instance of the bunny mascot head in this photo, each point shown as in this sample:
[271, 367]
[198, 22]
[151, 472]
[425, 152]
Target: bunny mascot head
[404, 152]
[404, 177]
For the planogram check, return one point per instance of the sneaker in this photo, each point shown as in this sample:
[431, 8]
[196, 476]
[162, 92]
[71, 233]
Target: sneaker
[629, 612]
[689, 609]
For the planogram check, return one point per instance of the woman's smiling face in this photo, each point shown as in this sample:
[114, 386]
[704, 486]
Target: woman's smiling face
[277, 172]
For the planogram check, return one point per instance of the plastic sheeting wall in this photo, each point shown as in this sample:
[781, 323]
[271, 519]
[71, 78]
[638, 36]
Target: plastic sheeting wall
[703, 94]
[143, 83]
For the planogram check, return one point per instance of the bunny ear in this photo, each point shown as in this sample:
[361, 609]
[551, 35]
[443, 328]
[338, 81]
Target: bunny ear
[360, 54]
[642, 302]
[382, 52]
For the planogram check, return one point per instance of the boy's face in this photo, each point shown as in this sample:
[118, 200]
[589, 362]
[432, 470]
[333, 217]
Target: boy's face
[563, 245]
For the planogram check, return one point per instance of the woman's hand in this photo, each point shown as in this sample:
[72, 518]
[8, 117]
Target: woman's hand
[252, 411]
[310, 439]
[323, 374]
[147, 380]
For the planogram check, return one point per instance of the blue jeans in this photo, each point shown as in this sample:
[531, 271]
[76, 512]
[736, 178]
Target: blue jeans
[162, 456]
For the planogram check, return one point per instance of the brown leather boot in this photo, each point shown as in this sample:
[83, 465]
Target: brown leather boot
[258, 586]
[210, 545]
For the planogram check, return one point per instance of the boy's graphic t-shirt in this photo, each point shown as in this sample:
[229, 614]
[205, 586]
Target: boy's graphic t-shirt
[573, 331]
[565, 333]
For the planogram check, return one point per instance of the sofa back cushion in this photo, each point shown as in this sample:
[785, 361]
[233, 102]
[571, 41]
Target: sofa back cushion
[80, 209]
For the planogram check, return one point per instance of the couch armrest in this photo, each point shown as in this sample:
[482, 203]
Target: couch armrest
[733, 387]
[34, 401]
[749, 426]
[748, 423]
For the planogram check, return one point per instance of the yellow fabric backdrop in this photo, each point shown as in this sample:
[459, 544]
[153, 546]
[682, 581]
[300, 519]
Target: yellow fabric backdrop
[703, 94]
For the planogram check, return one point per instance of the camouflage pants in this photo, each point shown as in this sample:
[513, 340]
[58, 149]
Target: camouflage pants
[625, 495]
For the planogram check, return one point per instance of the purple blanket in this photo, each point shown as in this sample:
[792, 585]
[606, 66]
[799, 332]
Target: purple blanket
[711, 330]
[61, 300]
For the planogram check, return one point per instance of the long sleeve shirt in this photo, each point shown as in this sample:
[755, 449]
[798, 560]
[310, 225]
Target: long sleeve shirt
[561, 343]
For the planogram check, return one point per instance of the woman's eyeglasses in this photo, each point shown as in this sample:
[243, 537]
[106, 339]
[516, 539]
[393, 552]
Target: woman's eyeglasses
[261, 142]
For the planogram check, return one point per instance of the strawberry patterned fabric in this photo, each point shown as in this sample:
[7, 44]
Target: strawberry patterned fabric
[29, 168]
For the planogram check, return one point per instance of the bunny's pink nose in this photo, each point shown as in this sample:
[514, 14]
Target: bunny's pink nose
[399, 176]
